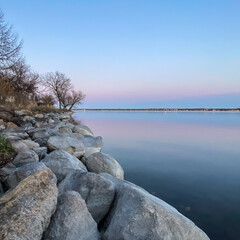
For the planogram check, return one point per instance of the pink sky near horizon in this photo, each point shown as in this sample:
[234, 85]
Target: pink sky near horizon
[150, 93]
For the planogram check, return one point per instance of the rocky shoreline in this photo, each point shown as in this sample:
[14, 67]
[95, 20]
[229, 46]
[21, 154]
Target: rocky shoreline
[61, 186]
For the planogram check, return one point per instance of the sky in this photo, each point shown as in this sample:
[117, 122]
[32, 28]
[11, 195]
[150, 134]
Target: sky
[135, 53]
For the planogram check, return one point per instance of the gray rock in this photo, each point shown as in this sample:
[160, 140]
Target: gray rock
[41, 136]
[84, 130]
[75, 144]
[64, 116]
[71, 221]
[19, 146]
[41, 123]
[8, 169]
[92, 145]
[30, 144]
[24, 171]
[15, 133]
[97, 191]
[27, 209]
[24, 157]
[136, 214]
[50, 121]
[65, 129]
[99, 163]
[13, 138]
[61, 163]
[36, 129]
[68, 143]
[27, 126]
[29, 119]
[41, 152]
[64, 124]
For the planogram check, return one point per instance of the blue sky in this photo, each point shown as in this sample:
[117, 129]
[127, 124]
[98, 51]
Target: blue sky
[135, 53]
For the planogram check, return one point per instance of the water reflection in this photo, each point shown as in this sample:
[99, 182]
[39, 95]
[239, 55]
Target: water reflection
[190, 160]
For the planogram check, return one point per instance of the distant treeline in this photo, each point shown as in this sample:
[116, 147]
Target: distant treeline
[164, 109]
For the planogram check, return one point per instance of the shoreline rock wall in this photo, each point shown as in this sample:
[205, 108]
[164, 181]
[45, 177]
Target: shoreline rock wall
[61, 186]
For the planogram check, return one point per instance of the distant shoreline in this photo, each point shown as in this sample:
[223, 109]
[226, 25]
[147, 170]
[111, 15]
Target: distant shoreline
[164, 109]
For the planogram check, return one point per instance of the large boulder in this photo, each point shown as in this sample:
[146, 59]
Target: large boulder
[97, 191]
[72, 221]
[61, 163]
[24, 157]
[92, 145]
[27, 209]
[68, 143]
[104, 163]
[24, 171]
[136, 214]
[84, 130]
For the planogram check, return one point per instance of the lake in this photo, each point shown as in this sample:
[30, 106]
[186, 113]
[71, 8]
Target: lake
[191, 160]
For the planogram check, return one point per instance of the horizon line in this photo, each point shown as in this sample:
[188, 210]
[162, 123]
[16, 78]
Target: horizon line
[158, 109]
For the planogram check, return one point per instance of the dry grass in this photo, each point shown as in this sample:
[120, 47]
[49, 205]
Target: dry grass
[44, 109]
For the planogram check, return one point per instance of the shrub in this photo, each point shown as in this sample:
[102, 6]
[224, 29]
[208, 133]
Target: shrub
[44, 109]
[6, 151]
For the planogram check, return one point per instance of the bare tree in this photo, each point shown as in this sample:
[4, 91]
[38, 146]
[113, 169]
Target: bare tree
[58, 84]
[9, 45]
[73, 98]
[23, 79]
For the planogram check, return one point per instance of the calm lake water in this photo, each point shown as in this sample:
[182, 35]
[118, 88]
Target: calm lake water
[191, 160]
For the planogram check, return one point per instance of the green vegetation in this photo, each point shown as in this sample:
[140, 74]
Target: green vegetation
[6, 151]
